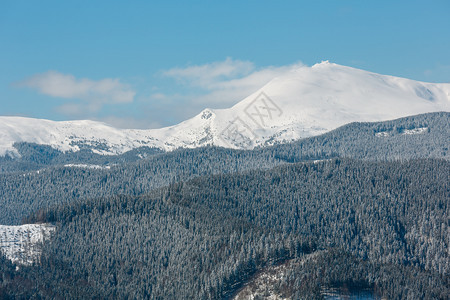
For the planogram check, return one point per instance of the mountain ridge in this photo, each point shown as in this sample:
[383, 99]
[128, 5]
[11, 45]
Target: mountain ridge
[303, 102]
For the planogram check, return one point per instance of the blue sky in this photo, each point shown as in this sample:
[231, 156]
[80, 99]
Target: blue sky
[147, 64]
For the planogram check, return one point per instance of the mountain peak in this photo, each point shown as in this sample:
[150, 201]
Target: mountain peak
[306, 102]
[323, 63]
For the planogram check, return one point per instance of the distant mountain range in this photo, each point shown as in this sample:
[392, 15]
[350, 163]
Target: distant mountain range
[304, 102]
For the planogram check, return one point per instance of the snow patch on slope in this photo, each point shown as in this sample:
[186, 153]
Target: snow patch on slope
[262, 286]
[415, 130]
[410, 131]
[86, 166]
[20, 244]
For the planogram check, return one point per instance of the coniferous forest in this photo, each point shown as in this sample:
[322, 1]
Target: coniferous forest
[348, 208]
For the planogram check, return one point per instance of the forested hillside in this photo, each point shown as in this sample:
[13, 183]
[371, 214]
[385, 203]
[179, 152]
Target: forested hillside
[422, 136]
[34, 157]
[202, 239]
[369, 201]
[21, 194]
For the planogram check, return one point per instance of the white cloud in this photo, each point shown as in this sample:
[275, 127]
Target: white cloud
[55, 84]
[209, 75]
[225, 82]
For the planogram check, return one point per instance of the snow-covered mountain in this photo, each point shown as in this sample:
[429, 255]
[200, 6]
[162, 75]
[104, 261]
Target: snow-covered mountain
[303, 102]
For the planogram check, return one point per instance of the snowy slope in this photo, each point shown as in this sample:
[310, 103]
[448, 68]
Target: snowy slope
[303, 102]
[20, 243]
